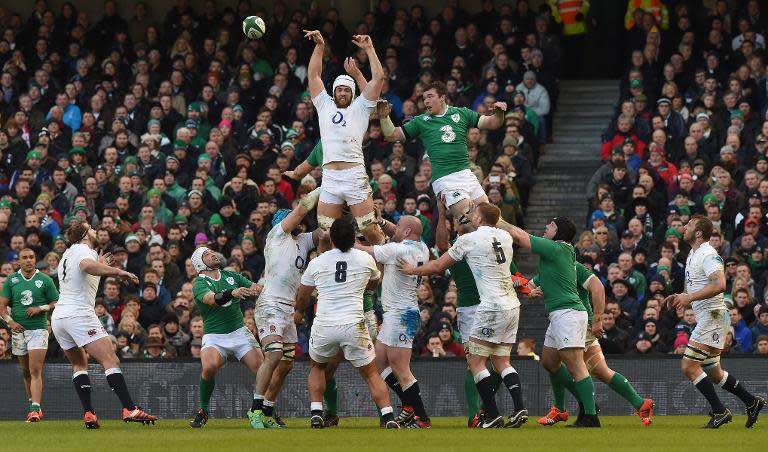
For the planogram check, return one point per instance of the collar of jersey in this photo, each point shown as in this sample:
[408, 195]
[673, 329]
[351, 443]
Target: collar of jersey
[30, 279]
[447, 107]
[206, 276]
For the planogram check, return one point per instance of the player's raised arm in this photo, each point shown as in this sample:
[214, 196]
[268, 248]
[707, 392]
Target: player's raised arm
[294, 219]
[495, 119]
[351, 67]
[520, 237]
[315, 68]
[95, 268]
[388, 129]
[372, 90]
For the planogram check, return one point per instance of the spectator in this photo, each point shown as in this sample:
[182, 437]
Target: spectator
[761, 345]
[434, 348]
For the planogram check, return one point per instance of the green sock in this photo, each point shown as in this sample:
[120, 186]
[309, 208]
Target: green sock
[330, 396]
[34, 407]
[471, 395]
[623, 387]
[206, 390]
[560, 381]
[585, 388]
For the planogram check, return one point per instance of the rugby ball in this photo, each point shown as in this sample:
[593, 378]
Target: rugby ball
[253, 27]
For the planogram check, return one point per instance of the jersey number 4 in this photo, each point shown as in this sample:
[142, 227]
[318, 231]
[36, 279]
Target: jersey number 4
[341, 271]
[499, 251]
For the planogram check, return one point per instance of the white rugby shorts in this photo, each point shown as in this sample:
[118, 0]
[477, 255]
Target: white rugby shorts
[348, 186]
[399, 327]
[567, 329]
[353, 339]
[29, 340]
[276, 318]
[238, 343]
[77, 331]
[457, 186]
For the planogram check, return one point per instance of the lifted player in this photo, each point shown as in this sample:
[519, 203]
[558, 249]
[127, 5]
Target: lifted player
[286, 254]
[217, 296]
[401, 316]
[704, 287]
[340, 276]
[31, 295]
[487, 251]
[78, 330]
[443, 132]
[343, 122]
[592, 295]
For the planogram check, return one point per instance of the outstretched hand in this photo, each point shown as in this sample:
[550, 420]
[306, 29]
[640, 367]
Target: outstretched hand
[383, 108]
[350, 65]
[314, 36]
[362, 41]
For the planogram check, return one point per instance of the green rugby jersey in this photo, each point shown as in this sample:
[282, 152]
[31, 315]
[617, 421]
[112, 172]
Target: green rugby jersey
[220, 319]
[444, 138]
[25, 293]
[557, 274]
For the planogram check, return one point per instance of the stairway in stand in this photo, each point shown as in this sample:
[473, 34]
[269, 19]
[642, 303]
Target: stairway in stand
[584, 109]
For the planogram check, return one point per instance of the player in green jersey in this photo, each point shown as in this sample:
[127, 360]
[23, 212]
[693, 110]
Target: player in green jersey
[592, 295]
[566, 334]
[30, 295]
[443, 132]
[217, 296]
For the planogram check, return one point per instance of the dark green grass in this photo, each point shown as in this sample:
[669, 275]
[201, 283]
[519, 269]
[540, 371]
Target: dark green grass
[619, 433]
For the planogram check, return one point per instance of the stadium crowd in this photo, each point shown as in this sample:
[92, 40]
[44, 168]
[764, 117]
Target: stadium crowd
[169, 135]
[689, 136]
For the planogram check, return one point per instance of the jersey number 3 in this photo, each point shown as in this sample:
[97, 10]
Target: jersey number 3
[341, 271]
[499, 251]
[448, 134]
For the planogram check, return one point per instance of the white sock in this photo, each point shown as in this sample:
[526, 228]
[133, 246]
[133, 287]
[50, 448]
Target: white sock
[315, 406]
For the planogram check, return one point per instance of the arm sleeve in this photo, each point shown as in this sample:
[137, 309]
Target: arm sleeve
[459, 249]
[365, 105]
[200, 288]
[542, 246]
[712, 263]
[321, 101]
[411, 128]
[471, 116]
[242, 281]
[315, 157]
[385, 254]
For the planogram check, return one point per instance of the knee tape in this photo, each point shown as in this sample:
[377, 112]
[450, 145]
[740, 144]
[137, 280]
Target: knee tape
[325, 222]
[594, 360]
[366, 220]
[288, 353]
[474, 348]
[711, 362]
[694, 354]
[273, 347]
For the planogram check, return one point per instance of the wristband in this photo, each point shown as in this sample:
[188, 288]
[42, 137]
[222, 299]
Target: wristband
[223, 298]
[45, 307]
[387, 127]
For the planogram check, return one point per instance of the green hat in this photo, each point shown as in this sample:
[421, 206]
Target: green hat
[248, 239]
[154, 192]
[709, 198]
[204, 156]
[5, 203]
[134, 173]
[685, 210]
[59, 237]
[261, 132]
[236, 108]
[737, 114]
[153, 122]
[605, 196]
[287, 144]
[180, 219]
[215, 219]
[673, 231]
[80, 209]
[305, 94]
[178, 144]
[34, 154]
[636, 83]
[291, 133]
[194, 106]
[131, 159]
[761, 157]
[77, 150]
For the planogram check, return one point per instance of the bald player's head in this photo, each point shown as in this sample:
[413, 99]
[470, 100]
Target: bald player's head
[408, 228]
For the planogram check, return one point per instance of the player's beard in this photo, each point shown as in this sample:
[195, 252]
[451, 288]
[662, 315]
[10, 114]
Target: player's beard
[339, 104]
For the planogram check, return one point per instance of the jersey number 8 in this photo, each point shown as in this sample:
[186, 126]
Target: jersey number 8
[341, 271]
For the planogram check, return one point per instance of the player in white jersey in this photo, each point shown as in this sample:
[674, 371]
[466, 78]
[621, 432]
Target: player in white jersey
[340, 277]
[78, 330]
[285, 252]
[704, 287]
[488, 251]
[401, 317]
[343, 121]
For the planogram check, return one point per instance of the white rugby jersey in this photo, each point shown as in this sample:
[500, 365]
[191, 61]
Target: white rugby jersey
[285, 261]
[77, 289]
[699, 266]
[398, 290]
[342, 129]
[340, 279]
[488, 251]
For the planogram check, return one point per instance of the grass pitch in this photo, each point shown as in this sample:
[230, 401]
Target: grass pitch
[622, 433]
